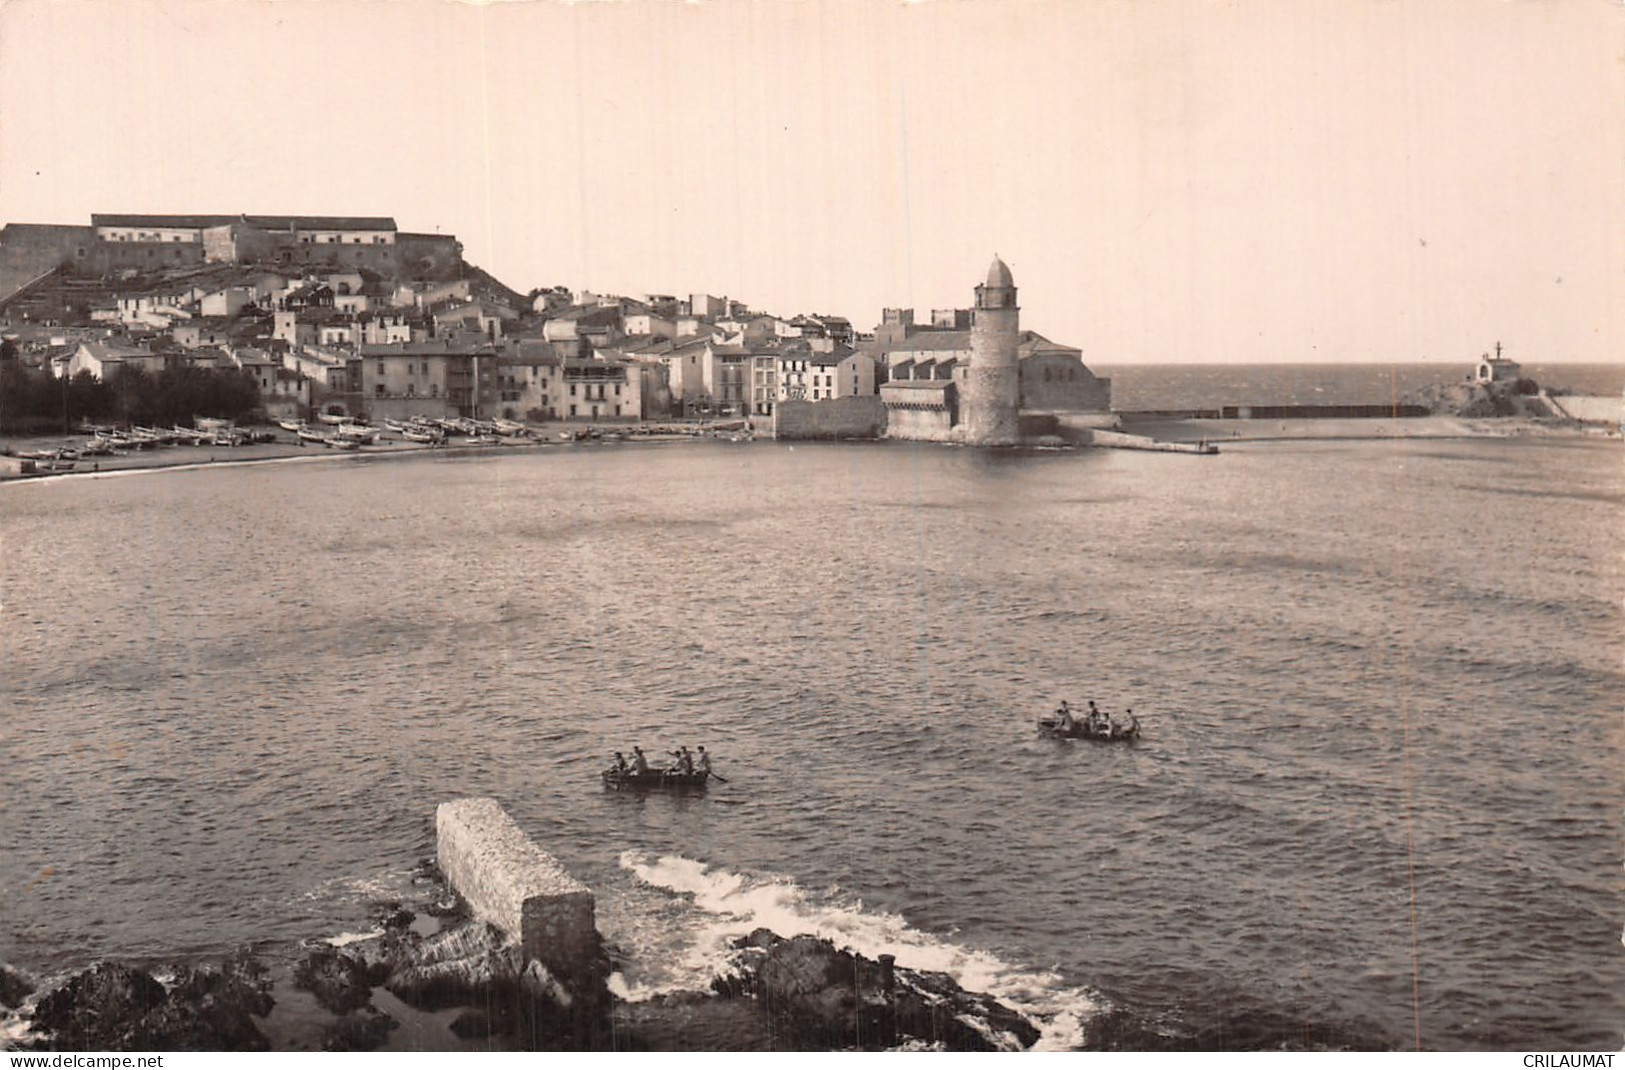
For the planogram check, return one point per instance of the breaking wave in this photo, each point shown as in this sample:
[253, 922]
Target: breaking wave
[721, 906]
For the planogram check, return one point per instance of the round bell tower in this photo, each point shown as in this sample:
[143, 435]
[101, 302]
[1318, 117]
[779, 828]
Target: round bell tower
[992, 401]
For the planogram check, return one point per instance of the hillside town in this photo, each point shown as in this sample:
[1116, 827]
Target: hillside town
[352, 318]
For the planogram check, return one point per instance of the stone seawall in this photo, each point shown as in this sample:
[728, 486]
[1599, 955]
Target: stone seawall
[833, 418]
[516, 886]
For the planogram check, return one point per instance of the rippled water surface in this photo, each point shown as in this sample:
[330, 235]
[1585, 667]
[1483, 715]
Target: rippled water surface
[1378, 786]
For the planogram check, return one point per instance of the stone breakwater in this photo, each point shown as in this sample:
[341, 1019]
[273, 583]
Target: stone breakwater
[504, 937]
[510, 882]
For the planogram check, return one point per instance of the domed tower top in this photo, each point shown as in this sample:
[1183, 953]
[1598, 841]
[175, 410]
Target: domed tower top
[999, 291]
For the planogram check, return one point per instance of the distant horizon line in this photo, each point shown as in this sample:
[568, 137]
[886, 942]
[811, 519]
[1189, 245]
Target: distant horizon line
[1468, 362]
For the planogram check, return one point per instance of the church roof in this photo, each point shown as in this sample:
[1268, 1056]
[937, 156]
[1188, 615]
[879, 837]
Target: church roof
[999, 275]
[933, 341]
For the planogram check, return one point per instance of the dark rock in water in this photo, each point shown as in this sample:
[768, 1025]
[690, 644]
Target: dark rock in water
[932, 1007]
[758, 938]
[691, 1021]
[495, 1020]
[340, 982]
[114, 1007]
[822, 998]
[446, 904]
[392, 915]
[453, 966]
[213, 1009]
[99, 1008]
[362, 1031]
[14, 987]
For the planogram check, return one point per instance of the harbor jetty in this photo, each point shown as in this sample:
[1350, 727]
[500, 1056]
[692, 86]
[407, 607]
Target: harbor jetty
[503, 953]
[507, 880]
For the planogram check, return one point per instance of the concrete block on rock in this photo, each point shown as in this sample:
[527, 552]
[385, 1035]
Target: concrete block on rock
[518, 887]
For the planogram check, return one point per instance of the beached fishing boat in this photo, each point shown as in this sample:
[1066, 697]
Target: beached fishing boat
[359, 432]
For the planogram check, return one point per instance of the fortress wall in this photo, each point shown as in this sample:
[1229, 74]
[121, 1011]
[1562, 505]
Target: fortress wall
[29, 250]
[1085, 392]
[849, 417]
[521, 889]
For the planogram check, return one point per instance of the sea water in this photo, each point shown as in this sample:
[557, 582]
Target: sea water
[1376, 793]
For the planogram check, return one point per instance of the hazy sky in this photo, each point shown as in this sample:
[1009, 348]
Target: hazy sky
[1283, 180]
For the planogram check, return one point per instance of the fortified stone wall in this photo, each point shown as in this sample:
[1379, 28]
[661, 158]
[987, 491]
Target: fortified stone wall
[1082, 392]
[428, 256]
[29, 250]
[920, 425]
[516, 886]
[850, 417]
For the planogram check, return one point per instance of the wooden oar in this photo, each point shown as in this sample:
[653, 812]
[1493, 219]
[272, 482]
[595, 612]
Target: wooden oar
[719, 778]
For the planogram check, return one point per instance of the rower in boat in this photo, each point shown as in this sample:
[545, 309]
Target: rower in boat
[1064, 721]
[620, 768]
[1099, 723]
[703, 762]
[640, 764]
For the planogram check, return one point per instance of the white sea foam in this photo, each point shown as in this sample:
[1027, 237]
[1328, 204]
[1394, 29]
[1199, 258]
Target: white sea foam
[346, 939]
[16, 1027]
[731, 905]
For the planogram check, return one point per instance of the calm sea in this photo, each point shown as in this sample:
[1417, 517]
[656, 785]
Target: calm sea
[1378, 789]
[1139, 387]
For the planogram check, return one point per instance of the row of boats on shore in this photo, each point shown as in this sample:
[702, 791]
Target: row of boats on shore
[109, 441]
[348, 433]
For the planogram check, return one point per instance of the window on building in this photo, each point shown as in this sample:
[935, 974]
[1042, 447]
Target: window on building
[378, 389]
[572, 410]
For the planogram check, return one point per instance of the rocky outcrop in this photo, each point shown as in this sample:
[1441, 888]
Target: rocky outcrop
[114, 1007]
[509, 881]
[14, 987]
[473, 960]
[363, 1030]
[822, 998]
[340, 982]
[477, 966]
